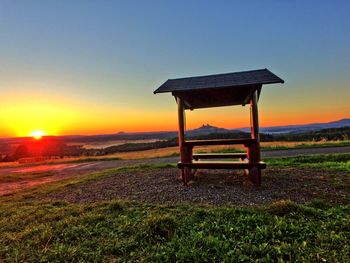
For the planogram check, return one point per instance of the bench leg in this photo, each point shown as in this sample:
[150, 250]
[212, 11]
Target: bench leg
[187, 175]
[193, 173]
[186, 157]
[254, 176]
[182, 174]
[245, 160]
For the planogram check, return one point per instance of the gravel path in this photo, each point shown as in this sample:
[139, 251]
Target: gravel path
[215, 187]
[63, 171]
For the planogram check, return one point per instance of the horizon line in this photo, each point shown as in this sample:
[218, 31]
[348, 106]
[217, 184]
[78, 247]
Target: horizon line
[164, 131]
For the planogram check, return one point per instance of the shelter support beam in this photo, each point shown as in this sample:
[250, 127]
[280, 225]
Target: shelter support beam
[181, 118]
[185, 150]
[254, 116]
[254, 150]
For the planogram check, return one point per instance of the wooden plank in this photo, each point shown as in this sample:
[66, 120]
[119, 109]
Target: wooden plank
[221, 165]
[216, 97]
[245, 142]
[219, 156]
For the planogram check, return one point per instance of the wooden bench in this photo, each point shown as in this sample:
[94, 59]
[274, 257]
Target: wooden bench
[190, 162]
[198, 156]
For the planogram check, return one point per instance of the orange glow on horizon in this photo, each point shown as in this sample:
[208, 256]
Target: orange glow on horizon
[56, 115]
[43, 112]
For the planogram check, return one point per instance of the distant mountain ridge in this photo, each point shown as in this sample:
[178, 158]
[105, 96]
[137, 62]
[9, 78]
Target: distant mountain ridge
[203, 130]
[302, 127]
[206, 129]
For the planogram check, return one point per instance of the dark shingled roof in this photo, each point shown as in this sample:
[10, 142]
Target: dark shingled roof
[244, 78]
[219, 90]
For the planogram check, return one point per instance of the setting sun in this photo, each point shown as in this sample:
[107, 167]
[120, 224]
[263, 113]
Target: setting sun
[37, 134]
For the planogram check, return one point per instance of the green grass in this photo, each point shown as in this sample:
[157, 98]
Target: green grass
[60, 161]
[35, 230]
[284, 231]
[307, 145]
[340, 162]
[174, 154]
[8, 178]
[88, 159]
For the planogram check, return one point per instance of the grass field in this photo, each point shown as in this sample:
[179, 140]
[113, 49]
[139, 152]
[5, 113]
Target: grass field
[339, 161]
[272, 146]
[265, 146]
[21, 176]
[34, 229]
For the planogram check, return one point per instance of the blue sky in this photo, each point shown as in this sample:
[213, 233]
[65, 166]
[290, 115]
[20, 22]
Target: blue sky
[109, 56]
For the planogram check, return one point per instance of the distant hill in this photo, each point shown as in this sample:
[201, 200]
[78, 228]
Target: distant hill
[206, 129]
[121, 136]
[342, 133]
[162, 135]
[302, 128]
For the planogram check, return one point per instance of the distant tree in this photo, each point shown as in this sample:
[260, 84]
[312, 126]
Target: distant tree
[21, 152]
[53, 149]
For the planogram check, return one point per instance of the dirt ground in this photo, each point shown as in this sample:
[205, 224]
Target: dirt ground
[215, 187]
[59, 172]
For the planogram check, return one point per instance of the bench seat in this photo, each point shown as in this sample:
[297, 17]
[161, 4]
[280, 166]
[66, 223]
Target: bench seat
[198, 156]
[220, 165]
[245, 142]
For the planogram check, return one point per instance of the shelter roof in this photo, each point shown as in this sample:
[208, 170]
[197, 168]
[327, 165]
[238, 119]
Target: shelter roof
[220, 89]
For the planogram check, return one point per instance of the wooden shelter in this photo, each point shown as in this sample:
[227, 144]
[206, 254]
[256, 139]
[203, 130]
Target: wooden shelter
[239, 88]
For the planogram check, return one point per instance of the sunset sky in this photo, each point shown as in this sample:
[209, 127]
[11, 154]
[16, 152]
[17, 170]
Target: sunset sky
[90, 67]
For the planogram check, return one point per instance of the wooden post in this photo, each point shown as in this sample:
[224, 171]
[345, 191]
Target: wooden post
[254, 150]
[185, 152]
[255, 119]
[181, 117]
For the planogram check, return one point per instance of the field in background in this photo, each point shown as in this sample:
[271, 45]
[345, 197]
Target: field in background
[105, 144]
[173, 151]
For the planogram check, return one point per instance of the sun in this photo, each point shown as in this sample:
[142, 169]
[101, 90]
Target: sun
[37, 134]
